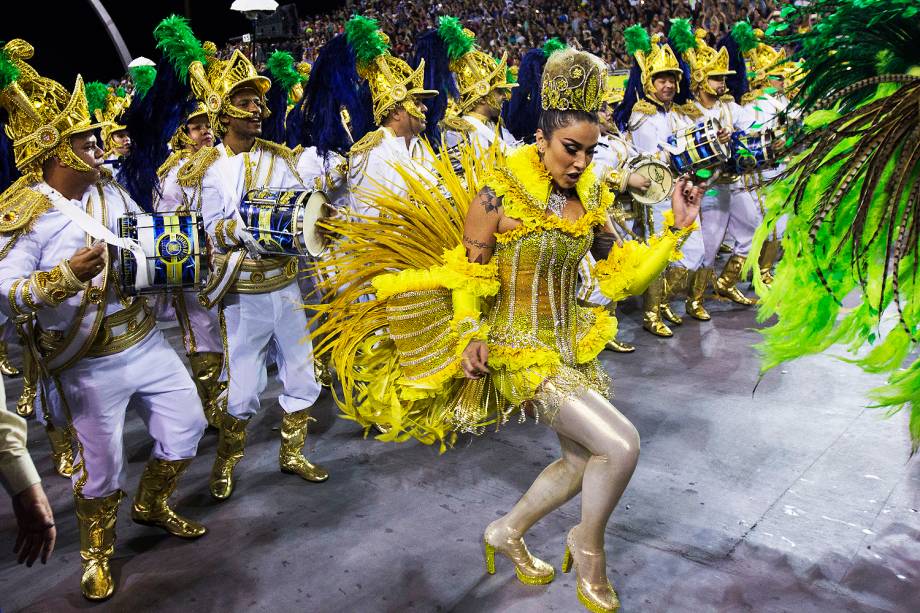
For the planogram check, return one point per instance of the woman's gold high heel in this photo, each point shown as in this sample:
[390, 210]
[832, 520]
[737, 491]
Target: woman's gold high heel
[529, 570]
[596, 597]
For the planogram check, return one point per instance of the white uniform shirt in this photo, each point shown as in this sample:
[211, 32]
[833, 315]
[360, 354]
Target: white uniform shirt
[649, 132]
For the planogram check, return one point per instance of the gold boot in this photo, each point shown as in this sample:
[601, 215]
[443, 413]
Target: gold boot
[651, 319]
[25, 406]
[725, 285]
[768, 255]
[699, 280]
[151, 504]
[96, 518]
[675, 282]
[206, 369]
[6, 367]
[614, 344]
[596, 596]
[529, 570]
[230, 447]
[61, 450]
[293, 436]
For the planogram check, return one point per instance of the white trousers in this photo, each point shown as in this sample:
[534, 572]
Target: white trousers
[259, 322]
[200, 326]
[97, 392]
[692, 248]
[731, 211]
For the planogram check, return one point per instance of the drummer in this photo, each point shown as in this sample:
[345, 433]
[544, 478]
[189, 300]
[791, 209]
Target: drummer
[99, 350]
[258, 300]
[728, 207]
[651, 113]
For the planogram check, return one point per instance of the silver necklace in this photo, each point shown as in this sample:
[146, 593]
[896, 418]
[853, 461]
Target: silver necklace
[556, 203]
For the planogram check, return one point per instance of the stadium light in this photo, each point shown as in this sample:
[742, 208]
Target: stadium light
[253, 9]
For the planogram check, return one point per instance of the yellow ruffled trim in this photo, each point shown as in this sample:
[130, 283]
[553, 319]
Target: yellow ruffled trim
[407, 281]
[601, 331]
[527, 188]
[459, 273]
[515, 359]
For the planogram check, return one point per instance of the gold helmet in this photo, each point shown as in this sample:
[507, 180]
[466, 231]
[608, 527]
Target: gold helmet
[107, 106]
[391, 80]
[478, 74]
[573, 80]
[763, 62]
[181, 139]
[653, 57]
[42, 114]
[704, 61]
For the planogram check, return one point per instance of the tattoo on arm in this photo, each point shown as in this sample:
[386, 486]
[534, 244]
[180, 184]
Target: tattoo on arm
[472, 242]
[489, 200]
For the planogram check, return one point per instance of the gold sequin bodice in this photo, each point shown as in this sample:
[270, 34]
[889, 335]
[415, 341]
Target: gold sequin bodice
[535, 307]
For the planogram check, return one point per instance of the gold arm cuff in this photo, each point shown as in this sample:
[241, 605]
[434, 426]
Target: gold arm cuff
[27, 298]
[14, 304]
[56, 285]
[219, 234]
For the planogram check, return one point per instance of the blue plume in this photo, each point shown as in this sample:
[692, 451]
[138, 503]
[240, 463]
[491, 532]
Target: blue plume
[152, 121]
[430, 47]
[362, 120]
[8, 171]
[634, 93]
[685, 92]
[334, 84]
[737, 83]
[273, 128]
[522, 112]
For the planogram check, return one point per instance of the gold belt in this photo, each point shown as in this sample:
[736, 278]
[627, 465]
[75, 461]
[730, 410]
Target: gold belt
[123, 329]
[263, 276]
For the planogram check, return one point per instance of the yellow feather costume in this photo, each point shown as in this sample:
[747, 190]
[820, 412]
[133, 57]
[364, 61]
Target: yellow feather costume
[398, 355]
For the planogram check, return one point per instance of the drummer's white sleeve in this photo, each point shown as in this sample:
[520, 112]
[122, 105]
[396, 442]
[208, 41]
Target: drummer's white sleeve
[15, 269]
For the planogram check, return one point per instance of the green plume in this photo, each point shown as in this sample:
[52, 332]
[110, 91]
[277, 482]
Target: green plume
[8, 70]
[178, 43]
[281, 66]
[681, 35]
[509, 76]
[364, 38]
[552, 46]
[457, 42]
[143, 78]
[120, 92]
[96, 93]
[637, 39]
[744, 35]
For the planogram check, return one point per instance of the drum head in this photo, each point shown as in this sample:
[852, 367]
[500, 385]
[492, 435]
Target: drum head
[661, 177]
[314, 211]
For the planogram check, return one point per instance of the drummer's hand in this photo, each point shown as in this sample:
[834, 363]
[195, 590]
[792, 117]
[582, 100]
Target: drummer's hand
[638, 182]
[724, 136]
[88, 262]
[334, 211]
[686, 202]
[474, 360]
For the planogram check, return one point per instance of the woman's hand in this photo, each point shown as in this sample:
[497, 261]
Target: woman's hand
[638, 182]
[686, 202]
[474, 360]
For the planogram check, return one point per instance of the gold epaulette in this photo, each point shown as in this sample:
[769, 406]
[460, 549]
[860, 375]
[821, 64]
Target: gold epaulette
[171, 162]
[281, 151]
[689, 109]
[751, 96]
[727, 98]
[193, 171]
[297, 150]
[20, 206]
[457, 124]
[366, 143]
[645, 107]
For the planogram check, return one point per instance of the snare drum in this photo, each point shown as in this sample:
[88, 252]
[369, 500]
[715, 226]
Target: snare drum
[658, 173]
[283, 221]
[752, 151]
[697, 148]
[175, 249]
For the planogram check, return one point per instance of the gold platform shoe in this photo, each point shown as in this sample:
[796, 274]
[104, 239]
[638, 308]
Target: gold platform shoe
[619, 346]
[25, 406]
[769, 253]
[529, 569]
[206, 369]
[96, 518]
[675, 282]
[651, 317]
[151, 504]
[230, 445]
[6, 367]
[597, 596]
[699, 281]
[61, 450]
[726, 284]
[293, 437]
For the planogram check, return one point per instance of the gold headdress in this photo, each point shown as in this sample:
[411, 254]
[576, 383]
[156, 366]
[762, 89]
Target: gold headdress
[213, 85]
[392, 81]
[107, 106]
[180, 139]
[478, 74]
[42, 114]
[652, 56]
[706, 62]
[763, 61]
[573, 80]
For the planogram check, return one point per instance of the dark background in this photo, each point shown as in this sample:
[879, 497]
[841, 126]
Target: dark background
[69, 38]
